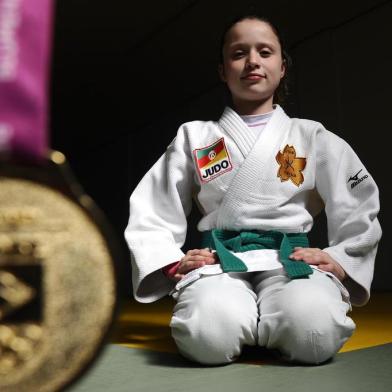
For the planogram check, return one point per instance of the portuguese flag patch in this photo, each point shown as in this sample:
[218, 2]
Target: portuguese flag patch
[212, 160]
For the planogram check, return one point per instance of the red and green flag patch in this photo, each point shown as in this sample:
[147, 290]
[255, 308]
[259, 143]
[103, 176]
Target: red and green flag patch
[212, 160]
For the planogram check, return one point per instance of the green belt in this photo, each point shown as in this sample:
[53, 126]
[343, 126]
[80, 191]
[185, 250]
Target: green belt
[241, 241]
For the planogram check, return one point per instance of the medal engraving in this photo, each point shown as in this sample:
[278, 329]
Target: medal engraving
[57, 287]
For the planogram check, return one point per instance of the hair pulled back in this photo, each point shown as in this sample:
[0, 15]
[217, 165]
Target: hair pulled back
[282, 91]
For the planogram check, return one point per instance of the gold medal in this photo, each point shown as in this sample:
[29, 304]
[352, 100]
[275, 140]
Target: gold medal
[57, 278]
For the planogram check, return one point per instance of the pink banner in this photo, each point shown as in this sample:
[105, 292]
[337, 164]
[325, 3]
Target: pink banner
[25, 43]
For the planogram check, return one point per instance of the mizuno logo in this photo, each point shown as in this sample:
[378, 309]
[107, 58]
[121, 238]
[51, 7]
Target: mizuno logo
[356, 179]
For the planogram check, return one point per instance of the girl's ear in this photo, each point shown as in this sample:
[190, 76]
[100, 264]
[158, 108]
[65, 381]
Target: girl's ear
[221, 72]
[283, 69]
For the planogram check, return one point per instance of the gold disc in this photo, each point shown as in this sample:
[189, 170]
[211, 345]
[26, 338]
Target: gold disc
[57, 287]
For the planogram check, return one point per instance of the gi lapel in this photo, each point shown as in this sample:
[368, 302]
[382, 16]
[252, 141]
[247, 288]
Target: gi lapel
[258, 156]
[239, 140]
[235, 127]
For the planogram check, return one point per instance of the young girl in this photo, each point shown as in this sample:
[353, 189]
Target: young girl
[259, 178]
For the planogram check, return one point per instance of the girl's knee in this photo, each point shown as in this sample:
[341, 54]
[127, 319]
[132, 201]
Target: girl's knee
[307, 328]
[206, 349]
[314, 348]
[205, 341]
[315, 341]
[213, 330]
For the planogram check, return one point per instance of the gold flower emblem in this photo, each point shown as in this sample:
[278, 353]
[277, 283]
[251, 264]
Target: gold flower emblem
[290, 166]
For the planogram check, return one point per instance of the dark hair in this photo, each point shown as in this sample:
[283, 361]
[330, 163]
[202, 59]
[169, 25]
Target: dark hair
[282, 91]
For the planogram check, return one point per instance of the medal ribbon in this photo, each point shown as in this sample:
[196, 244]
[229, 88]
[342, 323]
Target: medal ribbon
[25, 30]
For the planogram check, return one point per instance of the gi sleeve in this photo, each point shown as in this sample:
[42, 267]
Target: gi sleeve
[157, 225]
[351, 200]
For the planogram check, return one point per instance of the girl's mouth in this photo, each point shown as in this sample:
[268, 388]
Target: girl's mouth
[252, 77]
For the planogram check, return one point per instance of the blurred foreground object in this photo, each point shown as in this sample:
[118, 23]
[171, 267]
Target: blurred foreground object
[57, 274]
[57, 278]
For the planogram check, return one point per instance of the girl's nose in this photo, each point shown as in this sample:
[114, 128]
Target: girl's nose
[253, 60]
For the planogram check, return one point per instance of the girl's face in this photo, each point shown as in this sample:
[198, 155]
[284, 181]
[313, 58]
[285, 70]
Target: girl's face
[252, 62]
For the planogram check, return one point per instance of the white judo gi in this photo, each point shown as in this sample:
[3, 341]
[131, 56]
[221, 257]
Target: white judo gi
[278, 180]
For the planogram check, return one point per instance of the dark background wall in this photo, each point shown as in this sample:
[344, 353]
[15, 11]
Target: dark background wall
[125, 75]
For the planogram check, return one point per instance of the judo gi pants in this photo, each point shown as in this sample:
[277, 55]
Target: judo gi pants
[300, 320]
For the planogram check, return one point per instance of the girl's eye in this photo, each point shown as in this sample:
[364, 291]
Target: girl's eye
[238, 54]
[265, 53]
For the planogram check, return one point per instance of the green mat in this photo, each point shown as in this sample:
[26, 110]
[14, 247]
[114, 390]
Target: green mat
[121, 369]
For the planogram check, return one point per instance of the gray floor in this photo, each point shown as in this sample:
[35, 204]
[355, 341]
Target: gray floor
[123, 369]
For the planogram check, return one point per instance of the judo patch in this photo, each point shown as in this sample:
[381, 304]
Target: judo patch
[356, 179]
[212, 160]
[291, 166]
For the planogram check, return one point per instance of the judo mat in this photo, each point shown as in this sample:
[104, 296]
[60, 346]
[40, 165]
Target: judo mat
[143, 357]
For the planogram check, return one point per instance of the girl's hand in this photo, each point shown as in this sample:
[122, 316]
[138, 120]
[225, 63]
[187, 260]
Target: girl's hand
[193, 259]
[320, 258]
